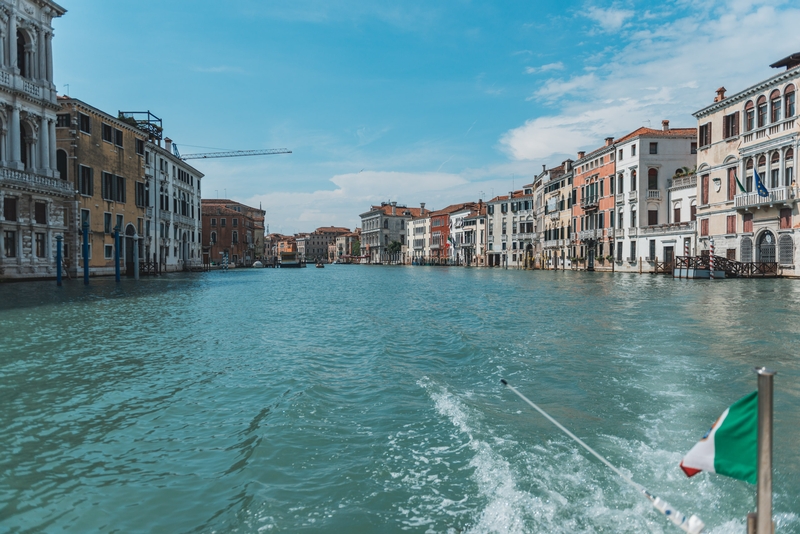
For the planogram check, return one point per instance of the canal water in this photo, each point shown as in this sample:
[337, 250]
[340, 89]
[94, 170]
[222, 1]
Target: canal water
[367, 399]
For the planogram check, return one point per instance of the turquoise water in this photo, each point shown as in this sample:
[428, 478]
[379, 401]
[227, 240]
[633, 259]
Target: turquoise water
[368, 399]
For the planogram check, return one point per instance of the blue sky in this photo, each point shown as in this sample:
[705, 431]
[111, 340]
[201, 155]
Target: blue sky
[412, 101]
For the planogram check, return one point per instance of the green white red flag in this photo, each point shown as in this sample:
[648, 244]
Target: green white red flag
[731, 444]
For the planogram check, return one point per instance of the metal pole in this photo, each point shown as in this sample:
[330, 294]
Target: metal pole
[764, 523]
[85, 253]
[58, 259]
[116, 253]
[135, 256]
[711, 259]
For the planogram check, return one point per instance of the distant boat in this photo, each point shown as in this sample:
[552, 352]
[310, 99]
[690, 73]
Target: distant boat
[319, 265]
[258, 264]
[290, 260]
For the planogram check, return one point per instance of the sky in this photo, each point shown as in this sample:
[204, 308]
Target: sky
[414, 101]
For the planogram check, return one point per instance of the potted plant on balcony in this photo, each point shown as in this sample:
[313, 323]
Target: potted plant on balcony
[610, 258]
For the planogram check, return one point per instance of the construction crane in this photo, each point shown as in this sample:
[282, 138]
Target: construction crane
[229, 153]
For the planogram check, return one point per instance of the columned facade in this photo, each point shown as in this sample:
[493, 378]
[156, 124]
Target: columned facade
[35, 201]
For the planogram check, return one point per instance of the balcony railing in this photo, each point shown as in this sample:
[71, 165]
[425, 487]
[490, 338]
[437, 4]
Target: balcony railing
[619, 233]
[684, 182]
[633, 196]
[780, 195]
[553, 243]
[525, 236]
[583, 235]
[30, 179]
[589, 201]
[30, 88]
[671, 228]
[653, 194]
[620, 198]
[554, 214]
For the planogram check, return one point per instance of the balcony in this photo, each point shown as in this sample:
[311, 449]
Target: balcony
[780, 195]
[668, 229]
[37, 181]
[589, 202]
[633, 196]
[585, 235]
[684, 182]
[619, 233]
[553, 215]
[525, 236]
[620, 198]
[553, 243]
[653, 194]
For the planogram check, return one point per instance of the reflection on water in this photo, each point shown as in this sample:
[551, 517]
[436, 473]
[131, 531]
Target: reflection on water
[367, 399]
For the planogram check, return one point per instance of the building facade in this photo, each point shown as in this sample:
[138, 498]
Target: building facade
[746, 138]
[173, 237]
[231, 228]
[511, 228]
[36, 202]
[593, 206]
[382, 226]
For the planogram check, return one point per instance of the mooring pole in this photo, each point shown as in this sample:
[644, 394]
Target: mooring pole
[58, 259]
[85, 252]
[135, 256]
[763, 517]
[116, 253]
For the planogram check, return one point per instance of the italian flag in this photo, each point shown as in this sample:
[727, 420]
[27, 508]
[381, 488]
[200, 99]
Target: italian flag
[730, 446]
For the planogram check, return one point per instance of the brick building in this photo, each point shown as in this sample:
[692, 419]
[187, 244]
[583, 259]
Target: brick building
[230, 227]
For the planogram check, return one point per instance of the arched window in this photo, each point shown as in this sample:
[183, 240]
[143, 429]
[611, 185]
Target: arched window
[633, 180]
[761, 109]
[747, 249]
[789, 167]
[621, 184]
[652, 179]
[235, 237]
[213, 238]
[386, 223]
[788, 100]
[765, 248]
[774, 169]
[61, 163]
[749, 116]
[775, 106]
[22, 63]
[785, 250]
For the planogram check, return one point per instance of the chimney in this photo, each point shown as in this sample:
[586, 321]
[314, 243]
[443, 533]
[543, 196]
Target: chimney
[544, 167]
[720, 95]
[609, 141]
[422, 208]
[394, 208]
[665, 125]
[581, 154]
[168, 144]
[510, 194]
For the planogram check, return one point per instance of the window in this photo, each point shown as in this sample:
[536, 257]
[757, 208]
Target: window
[652, 244]
[213, 238]
[620, 220]
[676, 214]
[107, 223]
[611, 219]
[704, 227]
[235, 223]
[749, 116]
[140, 147]
[633, 251]
[118, 137]
[633, 150]
[730, 125]
[654, 148]
[85, 123]
[120, 220]
[705, 134]
[86, 217]
[786, 218]
[108, 133]
[108, 252]
[213, 221]
[747, 249]
[120, 189]
[704, 189]
[86, 185]
[761, 111]
[386, 224]
[693, 147]
[222, 222]
[40, 213]
[788, 98]
[633, 180]
[108, 186]
[785, 250]
[10, 243]
[731, 183]
[775, 106]
[730, 227]
[652, 179]
[235, 238]
[141, 197]
[620, 155]
[40, 245]
[652, 217]
[62, 120]
[747, 223]
[633, 217]
[10, 209]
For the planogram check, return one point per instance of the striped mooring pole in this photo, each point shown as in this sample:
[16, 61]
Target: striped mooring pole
[686, 248]
[711, 259]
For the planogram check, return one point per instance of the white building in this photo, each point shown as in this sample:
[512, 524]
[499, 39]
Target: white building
[35, 201]
[173, 227]
[418, 237]
[653, 219]
[511, 228]
[383, 225]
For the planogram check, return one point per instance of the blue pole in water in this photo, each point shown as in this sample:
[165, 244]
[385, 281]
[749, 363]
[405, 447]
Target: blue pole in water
[58, 260]
[116, 253]
[86, 253]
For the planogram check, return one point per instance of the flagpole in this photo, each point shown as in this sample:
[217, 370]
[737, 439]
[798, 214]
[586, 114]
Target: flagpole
[691, 525]
[763, 517]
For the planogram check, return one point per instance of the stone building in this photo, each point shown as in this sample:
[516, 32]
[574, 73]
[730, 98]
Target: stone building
[383, 225]
[173, 239]
[752, 132]
[418, 237]
[35, 200]
[103, 158]
[511, 228]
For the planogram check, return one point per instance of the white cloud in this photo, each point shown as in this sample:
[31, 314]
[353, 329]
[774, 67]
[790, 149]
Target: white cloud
[667, 69]
[611, 19]
[545, 68]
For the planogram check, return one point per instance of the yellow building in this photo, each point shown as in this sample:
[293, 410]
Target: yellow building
[103, 157]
